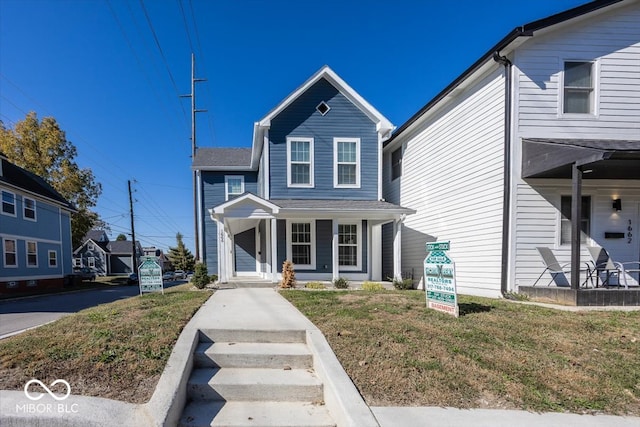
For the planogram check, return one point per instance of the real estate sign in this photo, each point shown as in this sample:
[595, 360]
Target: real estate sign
[150, 275]
[440, 279]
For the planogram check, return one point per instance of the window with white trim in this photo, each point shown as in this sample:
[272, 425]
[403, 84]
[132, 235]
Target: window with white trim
[90, 246]
[8, 203]
[233, 186]
[299, 162]
[32, 254]
[349, 246]
[29, 209]
[10, 254]
[346, 159]
[396, 164]
[565, 219]
[92, 262]
[301, 238]
[77, 262]
[578, 91]
[53, 259]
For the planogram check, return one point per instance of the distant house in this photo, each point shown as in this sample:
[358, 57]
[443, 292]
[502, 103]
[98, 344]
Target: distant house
[35, 229]
[309, 190]
[104, 256]
[161, 258]
[543, 125]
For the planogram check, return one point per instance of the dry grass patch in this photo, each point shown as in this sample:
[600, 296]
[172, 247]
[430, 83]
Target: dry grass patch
[496, 355]
[116, 350]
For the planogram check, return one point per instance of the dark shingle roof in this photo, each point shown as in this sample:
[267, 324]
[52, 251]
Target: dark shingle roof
[222, 157]
[22, 178]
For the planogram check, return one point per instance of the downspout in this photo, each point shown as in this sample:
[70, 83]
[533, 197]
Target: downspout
[506, 196]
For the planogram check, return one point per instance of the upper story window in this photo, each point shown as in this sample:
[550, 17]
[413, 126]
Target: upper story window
[10, 257]
[234, 186]
[8, 203]
[578, 96]
[299, 162]
[53, 259]
[565, 219]
[29, 208]
[90, 247]
[346, 155]
[396, 164]
[32, 254]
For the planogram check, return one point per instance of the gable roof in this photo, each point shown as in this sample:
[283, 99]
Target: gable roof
[95, 235]
[123, 247]
[383, 125]
[21, 179]
[222, 159]
[517, 36]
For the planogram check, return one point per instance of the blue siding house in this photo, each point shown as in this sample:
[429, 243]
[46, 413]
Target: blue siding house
[309, 190]
[35, 231]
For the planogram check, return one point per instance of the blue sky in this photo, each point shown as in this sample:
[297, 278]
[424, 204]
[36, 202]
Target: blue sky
[113, 81]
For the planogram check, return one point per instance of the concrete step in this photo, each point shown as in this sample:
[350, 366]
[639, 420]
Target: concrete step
[253, 355]
[252, 384]
[253, 335]
[267, 414]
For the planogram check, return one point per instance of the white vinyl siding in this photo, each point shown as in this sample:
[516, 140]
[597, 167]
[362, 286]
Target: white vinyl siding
[612, 43]
[453, 177]
[300, 162]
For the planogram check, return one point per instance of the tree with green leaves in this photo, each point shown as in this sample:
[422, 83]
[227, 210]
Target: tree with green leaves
[41, 147]
[180, 256]
[121, 238]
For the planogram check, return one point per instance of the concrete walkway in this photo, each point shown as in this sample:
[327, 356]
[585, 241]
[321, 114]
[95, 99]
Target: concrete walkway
[264, 309]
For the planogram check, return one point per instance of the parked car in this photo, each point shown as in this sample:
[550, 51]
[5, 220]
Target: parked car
[85, 273]
[168, 275]
[179, 275]
[132, 279]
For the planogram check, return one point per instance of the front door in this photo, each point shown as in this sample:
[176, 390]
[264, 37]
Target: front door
[627, 248]
[245, 252]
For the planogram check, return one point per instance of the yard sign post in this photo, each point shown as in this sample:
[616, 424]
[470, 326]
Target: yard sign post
[150, 276]
[440, 279]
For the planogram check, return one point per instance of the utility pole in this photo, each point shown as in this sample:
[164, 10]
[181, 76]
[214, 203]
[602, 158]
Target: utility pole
[196, 205]
[134, 259]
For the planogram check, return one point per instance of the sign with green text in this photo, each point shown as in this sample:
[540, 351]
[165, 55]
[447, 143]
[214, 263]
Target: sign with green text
[150, 276]
[440, 279]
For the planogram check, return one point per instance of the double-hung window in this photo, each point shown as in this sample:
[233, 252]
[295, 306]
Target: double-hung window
[92, 262]
[234, 186]
[349, 246]
[32, 254]
[299, 162]
[8, 203]
[565, 219]
[29, 209]
[53, 259]
[578, 95]
[301, 247]
[10, 255]
[346, 159]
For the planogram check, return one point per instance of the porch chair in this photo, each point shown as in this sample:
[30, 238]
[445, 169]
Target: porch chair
[604, 264]
[559, 275]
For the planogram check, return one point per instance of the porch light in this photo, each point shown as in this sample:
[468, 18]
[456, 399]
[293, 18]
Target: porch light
[617, 205]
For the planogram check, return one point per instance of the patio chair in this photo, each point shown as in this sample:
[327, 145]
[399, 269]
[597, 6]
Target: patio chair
[558, 273]
[603, 264]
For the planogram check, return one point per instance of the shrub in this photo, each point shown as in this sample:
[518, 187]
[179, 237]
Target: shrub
[200, 276]
[403, 284]
[213, 278]
[288, 275]
[315, 285]
[372, 286]
[341, 283]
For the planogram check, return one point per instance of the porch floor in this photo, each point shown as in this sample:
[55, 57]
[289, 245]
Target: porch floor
[612, 296]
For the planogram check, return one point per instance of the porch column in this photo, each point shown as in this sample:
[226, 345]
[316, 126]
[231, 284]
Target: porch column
[274, 250]
[335, 264]
[397, 247]
[375, 243]
[576, 216]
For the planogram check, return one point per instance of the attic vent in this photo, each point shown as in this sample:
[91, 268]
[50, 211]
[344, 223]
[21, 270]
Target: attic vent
[323, 108]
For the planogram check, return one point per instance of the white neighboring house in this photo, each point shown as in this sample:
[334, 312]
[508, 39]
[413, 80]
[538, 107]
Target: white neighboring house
[548, 116]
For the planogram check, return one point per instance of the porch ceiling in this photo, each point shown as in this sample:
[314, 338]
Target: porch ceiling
[599, 158]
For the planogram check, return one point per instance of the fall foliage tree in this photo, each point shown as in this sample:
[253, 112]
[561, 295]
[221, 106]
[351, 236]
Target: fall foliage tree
[41, 147]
